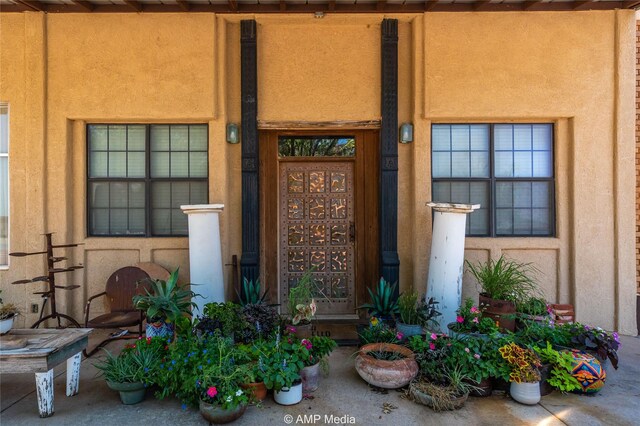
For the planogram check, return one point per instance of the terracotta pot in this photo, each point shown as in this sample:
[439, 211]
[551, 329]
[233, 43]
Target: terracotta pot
[257, 389]
[386, 374]
[501, 311]
[217, 415]
[485, 388]
[310, 378]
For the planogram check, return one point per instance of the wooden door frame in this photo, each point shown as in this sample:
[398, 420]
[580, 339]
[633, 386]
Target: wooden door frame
[366, 184]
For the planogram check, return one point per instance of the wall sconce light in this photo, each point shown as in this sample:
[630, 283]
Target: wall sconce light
[233, 135]
[406, 133]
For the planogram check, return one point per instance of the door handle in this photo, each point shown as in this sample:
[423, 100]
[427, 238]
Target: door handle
[352, 231]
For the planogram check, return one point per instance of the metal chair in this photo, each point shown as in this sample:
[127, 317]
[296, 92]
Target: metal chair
[121, 286]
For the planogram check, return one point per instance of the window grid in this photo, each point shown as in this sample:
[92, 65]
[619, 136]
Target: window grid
[492, 180]
[147, 180]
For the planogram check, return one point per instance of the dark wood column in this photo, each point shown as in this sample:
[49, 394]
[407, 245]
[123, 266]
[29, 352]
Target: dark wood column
[249, 262]
[389, 261]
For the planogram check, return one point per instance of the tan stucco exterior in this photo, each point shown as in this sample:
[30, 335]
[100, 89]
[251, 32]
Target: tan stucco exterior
[574, 69]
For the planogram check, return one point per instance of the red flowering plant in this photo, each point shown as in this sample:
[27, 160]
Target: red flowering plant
[524, 363]
[430, 352]
[469, 319]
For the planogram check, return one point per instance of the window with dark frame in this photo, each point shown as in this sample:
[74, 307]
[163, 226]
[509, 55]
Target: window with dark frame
[138, 176]
[506, 168]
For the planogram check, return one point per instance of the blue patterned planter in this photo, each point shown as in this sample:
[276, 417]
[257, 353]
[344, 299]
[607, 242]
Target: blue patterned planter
[160, 329]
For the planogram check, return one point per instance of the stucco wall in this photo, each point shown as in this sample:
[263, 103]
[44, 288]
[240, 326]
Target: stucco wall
[567, 68]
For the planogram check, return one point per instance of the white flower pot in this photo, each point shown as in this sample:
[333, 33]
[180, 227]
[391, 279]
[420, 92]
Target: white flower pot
[6, 324]
[289, 396]
[525, 393]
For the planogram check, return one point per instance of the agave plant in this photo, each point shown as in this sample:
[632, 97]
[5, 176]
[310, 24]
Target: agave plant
[250, 294]
[384, 303]
[166, 300]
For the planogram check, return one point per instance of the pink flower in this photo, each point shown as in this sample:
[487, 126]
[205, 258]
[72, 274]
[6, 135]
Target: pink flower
[475, 320]
[466, 350]
[432, 346]
[291, 329]
[399, 336]
[433, 336]
[459, 319]
[212, 391]
[477, 356]
[474, 310]
[307, 344]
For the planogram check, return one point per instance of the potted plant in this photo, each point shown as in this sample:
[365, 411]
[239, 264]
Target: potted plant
[225, 318]
[261, 321]
[384, 302]
[504, 283]
[556, 370]
[129, 373]
[524, 376]
[7, 313]
[282, 369]
[255, 354]
[595, 341]
[250, 293]
[386, 365]
[449, 394]
[378, 332]
[319, 348]
[415, 315]
[164, 304]
[470, 322]
[301, 304]
[475, 359]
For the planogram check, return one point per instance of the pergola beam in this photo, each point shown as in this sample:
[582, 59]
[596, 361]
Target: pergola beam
[134, 4]
[184, 5]
[86, 5]
[33, 5]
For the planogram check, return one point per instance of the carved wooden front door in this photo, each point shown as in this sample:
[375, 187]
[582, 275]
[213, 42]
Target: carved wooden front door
[317, 230]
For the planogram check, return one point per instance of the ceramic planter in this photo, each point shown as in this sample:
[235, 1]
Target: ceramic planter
[525, 393]
[408, 330]
[160, 329]
[465, 335]
[310, 378]
[257, 389]
[130, 393]
[289, 396]
[217, 415]
[386, 374]
[6, 325]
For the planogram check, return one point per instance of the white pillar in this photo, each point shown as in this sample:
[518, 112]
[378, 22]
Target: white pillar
[446, 265]
[205, 253]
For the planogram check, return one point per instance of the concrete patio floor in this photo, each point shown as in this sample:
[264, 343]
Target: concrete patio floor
[343, 393]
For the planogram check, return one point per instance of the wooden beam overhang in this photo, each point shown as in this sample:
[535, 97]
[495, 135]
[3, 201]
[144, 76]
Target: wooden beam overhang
[386, 6]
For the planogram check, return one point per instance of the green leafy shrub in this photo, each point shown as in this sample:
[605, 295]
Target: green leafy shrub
[561, 367]
[505, 279]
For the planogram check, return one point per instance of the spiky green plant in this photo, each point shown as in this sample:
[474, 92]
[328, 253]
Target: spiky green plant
[384, 302]
[250, 294]
[505, 279]
[165, 300]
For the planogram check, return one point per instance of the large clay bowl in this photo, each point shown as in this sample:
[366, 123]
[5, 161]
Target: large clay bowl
[386, 374]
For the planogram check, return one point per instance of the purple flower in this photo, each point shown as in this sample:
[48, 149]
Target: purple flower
[477, 356]
[399, 336]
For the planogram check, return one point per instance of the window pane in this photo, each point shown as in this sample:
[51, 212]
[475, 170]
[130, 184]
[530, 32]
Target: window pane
[480, 164]
[197, 138]
[441, 137]
[179, 224]
[541, 219]
[460, 138]
[161, 194]
[459, 192]
[160, 138]
[503, 134]
[118, 221]
[135, 165]
[136, 195]
[99, 197]
[522, 137]
[136, 221]
[179, 194]
[504, 163]
[117, 138]
[542, 164]
[313, 146]
[136, 138]
[197, 164]
[542, 137]
[99, 222]
[441, 164]
[98, 164]
[179, 164]
[522, 194]
[161, 221]
[118, 195]
[159, 164]
[504, 194]
[504, 221]
[522, 164]
[117, 164]
[479, 137]
[98, 137]
[198, 193]
[441, 192]
[540, 194]
[460, 165]
[522, 221]
[179, 138]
